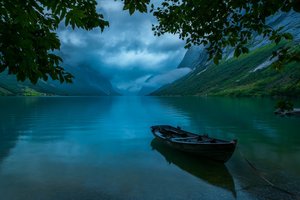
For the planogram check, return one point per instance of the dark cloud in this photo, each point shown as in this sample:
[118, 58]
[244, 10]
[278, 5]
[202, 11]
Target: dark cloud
[127, 52]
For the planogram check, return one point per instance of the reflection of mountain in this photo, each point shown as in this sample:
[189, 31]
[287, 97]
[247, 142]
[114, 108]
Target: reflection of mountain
[213, 173]
[7, 142]
[46, 117]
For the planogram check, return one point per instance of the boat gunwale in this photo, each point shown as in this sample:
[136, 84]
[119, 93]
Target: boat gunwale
[157, 128]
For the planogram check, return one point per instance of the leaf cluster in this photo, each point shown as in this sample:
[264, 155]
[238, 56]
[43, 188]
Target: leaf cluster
[285, 55]
[136, 5]
[221, 23]
[28, 38]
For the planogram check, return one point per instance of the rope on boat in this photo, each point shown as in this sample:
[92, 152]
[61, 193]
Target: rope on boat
[260, 174]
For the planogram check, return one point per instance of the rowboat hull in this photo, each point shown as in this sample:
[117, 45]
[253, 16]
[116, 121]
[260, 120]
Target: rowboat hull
[215, 149]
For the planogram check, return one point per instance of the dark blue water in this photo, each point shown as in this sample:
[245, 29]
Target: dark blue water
[102, 148]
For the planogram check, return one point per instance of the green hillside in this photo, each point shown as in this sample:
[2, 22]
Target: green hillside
[236, 77]
[10, 87]
[87, 82]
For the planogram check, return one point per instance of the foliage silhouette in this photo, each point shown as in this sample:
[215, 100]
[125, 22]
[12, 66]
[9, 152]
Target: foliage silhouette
[28, 40]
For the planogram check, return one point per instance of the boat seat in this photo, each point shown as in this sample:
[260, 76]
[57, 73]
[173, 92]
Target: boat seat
[187, 138]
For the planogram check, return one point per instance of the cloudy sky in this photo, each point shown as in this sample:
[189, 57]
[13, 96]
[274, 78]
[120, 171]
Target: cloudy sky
[127, 53]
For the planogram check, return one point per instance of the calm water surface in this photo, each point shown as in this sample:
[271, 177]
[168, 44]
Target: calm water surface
[102, 148]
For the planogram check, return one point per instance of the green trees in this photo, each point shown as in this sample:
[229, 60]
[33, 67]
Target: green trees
[28, 40]
[221, 23]
[28, 36]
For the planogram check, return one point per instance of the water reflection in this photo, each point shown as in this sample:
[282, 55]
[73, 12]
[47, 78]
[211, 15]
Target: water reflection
[97, 147]
[46, 118]
[270, 142]
[263, 137]
[211, 172]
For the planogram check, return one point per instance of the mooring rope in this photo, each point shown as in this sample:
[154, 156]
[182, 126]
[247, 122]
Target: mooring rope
[260, 174]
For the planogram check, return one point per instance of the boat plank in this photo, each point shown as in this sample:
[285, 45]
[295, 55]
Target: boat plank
[200, 145]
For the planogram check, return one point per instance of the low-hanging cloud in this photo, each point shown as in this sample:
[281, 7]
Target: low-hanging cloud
[144, 59]
[126, 52]
[152, 82]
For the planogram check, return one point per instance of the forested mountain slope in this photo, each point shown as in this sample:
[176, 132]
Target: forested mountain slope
[249, 75]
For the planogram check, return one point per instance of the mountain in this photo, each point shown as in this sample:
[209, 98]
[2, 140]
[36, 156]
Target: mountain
[87, 82]
[195, 57]
[248, 75]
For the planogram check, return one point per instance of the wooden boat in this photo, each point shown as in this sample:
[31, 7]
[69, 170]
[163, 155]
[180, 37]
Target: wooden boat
[199, 145]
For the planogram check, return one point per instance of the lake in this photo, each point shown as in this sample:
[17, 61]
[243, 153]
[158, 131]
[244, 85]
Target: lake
[102, 148]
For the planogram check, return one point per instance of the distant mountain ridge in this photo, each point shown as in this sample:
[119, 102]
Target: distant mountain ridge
[248, 75]
[87, 82]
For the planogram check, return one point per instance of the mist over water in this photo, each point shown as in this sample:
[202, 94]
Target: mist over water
[102, 148]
